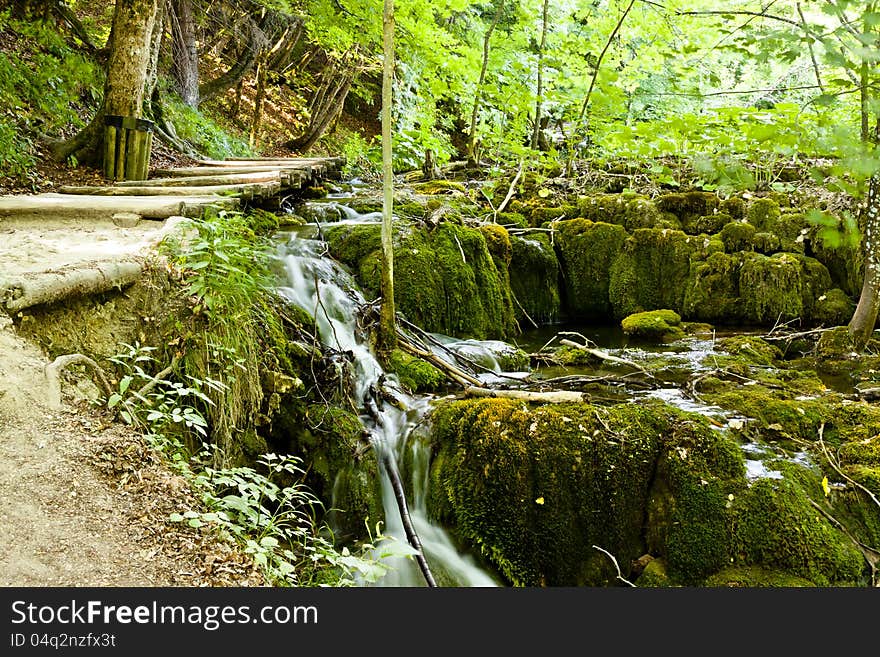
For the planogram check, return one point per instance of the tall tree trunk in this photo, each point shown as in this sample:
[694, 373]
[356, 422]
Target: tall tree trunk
[326, 104]
[129, 60]
[580, 127]
[540, 88]
[387, 338]
[861, 326]
[243, 65]
[152, 78]
[472, 135]
[260, 96]
[185, 51]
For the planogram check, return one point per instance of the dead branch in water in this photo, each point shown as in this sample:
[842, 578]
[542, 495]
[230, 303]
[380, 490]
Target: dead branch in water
[549, 397]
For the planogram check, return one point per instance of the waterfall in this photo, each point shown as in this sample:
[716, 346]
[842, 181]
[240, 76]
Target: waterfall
[318, 285]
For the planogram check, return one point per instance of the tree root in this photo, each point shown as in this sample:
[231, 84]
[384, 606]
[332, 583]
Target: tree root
[53, 376]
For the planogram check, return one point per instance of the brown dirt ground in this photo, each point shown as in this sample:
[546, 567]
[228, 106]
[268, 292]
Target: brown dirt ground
[86, 501]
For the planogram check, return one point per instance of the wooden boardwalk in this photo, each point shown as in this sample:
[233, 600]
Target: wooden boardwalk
[183, 192]
[84, 241]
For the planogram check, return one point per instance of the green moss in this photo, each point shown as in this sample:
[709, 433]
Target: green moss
[735, 207]
[641, 213]
[763, 214]
[343, 470]
[776, 527]
[833, 308]
[836, 351]
[658, 325]
[541, 215]
[712, 290]
[534, 279]
[446, 280]
[439, 187]
[688, 206]
[586, 252]
[512, 219]
[603, 208]
[737, 236]
[753, 349]
[766, 243]
[862, 452]
[845, 262]
[791, 229]
[413, 373]
[654, 575]
[755, 576]
[651, 271]
[534, 488]
[712, 223]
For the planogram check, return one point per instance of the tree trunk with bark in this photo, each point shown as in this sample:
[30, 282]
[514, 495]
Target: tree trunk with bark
[536, 132]
[387, 338]
[326, 104]
[861, 326]
[472, 157]
[244, 63]
[185, 51]
[259, 97]
[131, 36]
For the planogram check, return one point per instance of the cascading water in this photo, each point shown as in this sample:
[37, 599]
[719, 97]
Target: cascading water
[320, 286]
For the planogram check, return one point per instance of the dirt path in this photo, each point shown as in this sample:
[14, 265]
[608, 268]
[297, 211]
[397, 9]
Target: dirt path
[85, 501]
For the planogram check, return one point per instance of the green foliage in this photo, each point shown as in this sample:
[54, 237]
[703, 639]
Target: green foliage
[204, 132]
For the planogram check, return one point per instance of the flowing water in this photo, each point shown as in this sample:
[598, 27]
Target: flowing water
[320, 286]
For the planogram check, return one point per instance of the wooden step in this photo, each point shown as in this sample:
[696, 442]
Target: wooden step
[94, 207]
[251, 190]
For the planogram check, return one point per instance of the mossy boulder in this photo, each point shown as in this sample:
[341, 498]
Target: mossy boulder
[534, 279]
[844, 261]
[535, 488]
[343, 471]
[446, 280]
[414, 374]
[641, 213]
[751, 288]
[833, 308]
[689, 207]
[712, 223]
[654, 325]
[586, 251]
[792, 230]
[763, 214]
[737, 236]
[752, 349]
[766, 243]
[651, 271]
[734, 206]
[603, 208]
[439, 187]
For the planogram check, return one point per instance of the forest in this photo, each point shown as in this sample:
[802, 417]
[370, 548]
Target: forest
[458, 293]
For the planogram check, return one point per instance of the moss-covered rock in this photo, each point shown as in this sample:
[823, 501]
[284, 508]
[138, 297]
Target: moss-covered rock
[341, 471]
[776, 526]
[845, 261]
[640, 213]
[446, 280]
[833, 308]
[755, 576]
[753, 349]
[586, 252]
[534, 488]
[763, 213]
[712, 223]
[534, 279]
[738, 236]
[688, 206]
[651, 271]
[413, 373]
[792, 230]
[655, 325]
[439, 187]
[766, 243]
[603, 208]
[734, 206]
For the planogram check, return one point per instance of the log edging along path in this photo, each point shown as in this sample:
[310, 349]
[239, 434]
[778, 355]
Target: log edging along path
[181, 192]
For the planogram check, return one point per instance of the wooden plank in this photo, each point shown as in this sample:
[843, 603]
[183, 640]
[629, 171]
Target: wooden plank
[87, 208]
[109, 152]
[210, 171]
[252, 189]
[195, 181]
[290, 162]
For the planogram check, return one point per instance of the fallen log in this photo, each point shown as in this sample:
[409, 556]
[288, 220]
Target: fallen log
[454, 373]
[273, 175]
[604, 355]
[95, 208]
[549, 397]
[247, 189]
[38, 288]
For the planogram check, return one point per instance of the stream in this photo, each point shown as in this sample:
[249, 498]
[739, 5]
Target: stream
[319, 285]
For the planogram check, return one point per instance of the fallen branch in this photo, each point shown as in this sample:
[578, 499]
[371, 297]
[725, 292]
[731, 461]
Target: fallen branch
[834, 464]
[872, 556]
[604, 355]
[616, 566]
[454, 373]
[54, 369]
[549, 397]
[33, 289]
